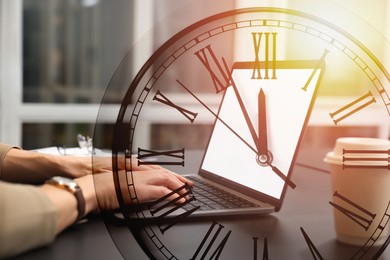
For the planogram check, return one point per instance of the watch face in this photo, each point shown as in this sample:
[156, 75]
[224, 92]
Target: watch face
[233, 94]
[69, 183]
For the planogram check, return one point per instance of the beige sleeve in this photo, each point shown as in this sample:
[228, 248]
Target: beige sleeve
[4, 148]
[27, 218]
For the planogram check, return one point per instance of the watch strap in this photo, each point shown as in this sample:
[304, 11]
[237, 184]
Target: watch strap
[75, 190]
[80, 203]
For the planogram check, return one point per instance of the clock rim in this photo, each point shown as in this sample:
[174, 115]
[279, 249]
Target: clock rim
[185, 31]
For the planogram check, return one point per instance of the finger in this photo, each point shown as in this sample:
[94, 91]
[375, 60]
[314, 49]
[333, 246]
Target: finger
[164, 178]
[185, 180]
[181, 178]
[167, 179]
[157, 192]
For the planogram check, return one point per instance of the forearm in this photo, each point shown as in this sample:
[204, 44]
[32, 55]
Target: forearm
[66, 203]
[31, 167]
[27, 218]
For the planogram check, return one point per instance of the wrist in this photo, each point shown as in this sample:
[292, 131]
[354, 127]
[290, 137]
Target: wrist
[87, 186]
[73, 188]
[72, 166]
[65, 204]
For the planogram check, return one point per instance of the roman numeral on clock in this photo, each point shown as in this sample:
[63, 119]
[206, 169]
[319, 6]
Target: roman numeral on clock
[176, 155]
[164, 210]
[322, 60]
[352, 107]
[211, 240]
[313, 250]
[265, 248]
[185, 112]
[368, 159]
[219, 71]
[359, 215]
[257, 44]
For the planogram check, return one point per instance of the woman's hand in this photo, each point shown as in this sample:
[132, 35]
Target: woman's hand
[150, 181]
[157, 182]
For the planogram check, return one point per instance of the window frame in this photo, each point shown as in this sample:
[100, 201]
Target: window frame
[14, 112]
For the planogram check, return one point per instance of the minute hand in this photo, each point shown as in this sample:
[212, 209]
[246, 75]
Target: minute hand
[246, 116]
[217, 117]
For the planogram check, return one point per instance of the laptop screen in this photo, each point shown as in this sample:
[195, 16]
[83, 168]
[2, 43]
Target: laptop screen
[231, 152]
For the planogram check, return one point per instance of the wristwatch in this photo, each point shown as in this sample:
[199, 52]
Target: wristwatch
[71, 186]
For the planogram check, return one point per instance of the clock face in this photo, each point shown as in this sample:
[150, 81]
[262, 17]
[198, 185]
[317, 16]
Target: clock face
[247, 81]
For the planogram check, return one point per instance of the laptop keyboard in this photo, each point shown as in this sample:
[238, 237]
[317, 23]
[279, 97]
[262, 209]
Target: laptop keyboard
[210, 197]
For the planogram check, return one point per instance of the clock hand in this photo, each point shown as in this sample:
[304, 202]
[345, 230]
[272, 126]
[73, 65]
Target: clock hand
[274, 169]
[261, 144]
[246, 116]
[256, 139]
[281, 175]
[217, 117]
[263, 154]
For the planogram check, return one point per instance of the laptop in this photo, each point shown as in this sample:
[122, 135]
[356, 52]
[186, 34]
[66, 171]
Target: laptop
[230, 181]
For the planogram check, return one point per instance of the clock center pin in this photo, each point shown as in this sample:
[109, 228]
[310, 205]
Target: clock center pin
[264, 159]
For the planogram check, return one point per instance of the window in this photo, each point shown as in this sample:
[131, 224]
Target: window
[58, 56]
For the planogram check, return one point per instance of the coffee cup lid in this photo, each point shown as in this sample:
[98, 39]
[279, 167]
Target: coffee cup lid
[355, 147]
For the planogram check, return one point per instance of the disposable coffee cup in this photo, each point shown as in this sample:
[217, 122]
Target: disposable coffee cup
[360, 176]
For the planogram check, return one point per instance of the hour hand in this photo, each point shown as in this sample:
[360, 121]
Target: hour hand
[263, 154]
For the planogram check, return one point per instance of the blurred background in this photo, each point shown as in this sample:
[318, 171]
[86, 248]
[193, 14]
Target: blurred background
[57, 58]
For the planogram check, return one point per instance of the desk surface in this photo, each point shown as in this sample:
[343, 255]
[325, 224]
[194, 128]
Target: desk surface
[91, 240]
